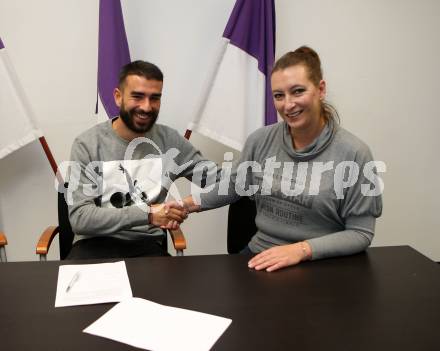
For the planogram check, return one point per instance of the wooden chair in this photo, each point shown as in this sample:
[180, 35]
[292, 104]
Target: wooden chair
[66, 234]
[241, 224]
[3, 243]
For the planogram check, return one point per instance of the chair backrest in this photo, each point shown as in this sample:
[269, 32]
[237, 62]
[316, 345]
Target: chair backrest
[241, 224]
[65, 229]
[66, 234]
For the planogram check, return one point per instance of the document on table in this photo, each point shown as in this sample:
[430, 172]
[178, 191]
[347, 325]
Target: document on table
[88, 284]
[149, 325]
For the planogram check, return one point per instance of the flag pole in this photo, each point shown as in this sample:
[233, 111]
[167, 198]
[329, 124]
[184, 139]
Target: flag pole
[51, 159]
[188, 134]
[48, 153]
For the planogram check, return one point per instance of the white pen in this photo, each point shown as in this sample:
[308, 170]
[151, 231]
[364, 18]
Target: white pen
[72, 281]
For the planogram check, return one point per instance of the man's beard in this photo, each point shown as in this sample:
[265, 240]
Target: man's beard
[128, 117]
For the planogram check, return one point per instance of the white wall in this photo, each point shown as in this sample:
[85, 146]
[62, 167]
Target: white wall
[380, 61]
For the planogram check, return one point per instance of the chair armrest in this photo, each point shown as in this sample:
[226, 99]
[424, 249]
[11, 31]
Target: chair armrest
[178, 239]
[3, 240]
[46, 239]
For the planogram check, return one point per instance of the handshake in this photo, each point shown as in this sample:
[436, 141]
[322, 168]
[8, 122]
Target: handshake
[170, 214]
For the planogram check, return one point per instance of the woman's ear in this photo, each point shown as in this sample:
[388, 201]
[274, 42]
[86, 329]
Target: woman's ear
[322, 89]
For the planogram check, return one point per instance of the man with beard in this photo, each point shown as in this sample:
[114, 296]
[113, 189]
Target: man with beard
[117, 208]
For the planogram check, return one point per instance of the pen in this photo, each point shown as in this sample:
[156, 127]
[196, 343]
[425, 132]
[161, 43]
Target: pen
[72, 281]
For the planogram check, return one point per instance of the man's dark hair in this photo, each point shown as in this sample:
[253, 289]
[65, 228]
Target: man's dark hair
[140, 68]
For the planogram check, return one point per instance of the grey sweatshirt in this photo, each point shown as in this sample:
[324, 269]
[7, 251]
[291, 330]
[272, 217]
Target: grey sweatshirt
[113, 194]
[334, 218]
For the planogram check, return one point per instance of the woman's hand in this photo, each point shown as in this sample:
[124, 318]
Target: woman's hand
[281, 256]
[190, 205]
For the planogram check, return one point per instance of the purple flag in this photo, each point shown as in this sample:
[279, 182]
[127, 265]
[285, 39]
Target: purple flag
[240, 76]
[113, 52]
[251, 27]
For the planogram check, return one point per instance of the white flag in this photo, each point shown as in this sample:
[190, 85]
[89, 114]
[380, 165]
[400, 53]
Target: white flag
[18, 126]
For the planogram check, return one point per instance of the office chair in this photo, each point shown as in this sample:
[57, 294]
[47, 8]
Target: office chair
[66, 234]
[3, 243]
[241, 224]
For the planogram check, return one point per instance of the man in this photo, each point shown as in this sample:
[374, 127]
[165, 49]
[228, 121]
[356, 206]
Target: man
[127, 166]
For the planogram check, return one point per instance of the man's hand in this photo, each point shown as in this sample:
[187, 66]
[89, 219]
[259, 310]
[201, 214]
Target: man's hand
[167, 216]
[281, 256]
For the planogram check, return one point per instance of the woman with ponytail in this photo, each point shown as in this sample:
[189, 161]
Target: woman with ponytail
[318, 191]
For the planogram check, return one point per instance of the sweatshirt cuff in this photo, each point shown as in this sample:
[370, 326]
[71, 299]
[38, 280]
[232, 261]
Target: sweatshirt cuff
[137, 214]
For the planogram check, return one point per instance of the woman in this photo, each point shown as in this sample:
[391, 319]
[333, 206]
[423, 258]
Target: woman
[317, 191]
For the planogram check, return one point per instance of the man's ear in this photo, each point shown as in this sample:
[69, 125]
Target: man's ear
[117, 94]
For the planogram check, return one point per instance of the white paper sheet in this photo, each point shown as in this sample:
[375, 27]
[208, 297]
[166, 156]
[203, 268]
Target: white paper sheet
[92, 283]
[148, 325]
